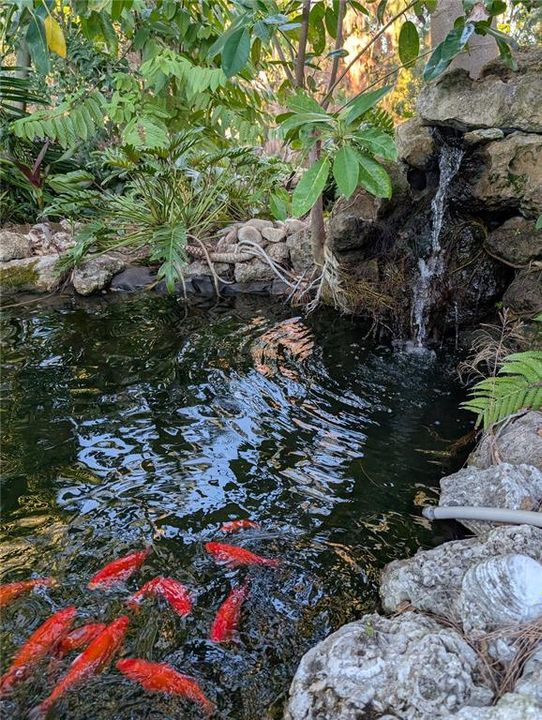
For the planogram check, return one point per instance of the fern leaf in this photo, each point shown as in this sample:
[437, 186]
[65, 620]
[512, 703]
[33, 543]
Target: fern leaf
[518, 386]
[169, 243]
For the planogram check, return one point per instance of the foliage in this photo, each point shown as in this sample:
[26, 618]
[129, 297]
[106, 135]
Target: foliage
[517, 386]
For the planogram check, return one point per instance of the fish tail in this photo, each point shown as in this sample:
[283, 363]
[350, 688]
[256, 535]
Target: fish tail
[40, 711]
[268, 562]
[6, 683]
[207, 706]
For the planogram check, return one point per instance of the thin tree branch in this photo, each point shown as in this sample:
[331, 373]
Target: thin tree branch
[364, 49]
[285, 63]
[338, 46]
[300, 63]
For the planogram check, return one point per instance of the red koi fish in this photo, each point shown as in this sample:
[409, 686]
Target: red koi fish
[171, 590]
[119, 570]
[79, 638]
[227, 617]
[12, 590]
[42, 641]
[161, 677]
[236, 525]
[234, 555]
[96, 656]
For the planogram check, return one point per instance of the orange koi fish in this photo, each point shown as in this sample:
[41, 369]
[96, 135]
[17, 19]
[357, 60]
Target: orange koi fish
[42, 641]
[119, 570]
[171, 590]
[227, 617]
[89, 662]
[234, 555]
[236, 525]
[79, 638]
[161, 677]
[12, 590]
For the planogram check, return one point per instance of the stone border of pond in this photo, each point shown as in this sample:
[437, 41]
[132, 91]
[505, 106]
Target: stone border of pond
[459, 635]
[253, 257]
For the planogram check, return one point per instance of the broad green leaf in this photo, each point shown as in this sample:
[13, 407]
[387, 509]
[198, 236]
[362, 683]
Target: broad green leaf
[447, 50]
[300, 119]
[310, 187]
[302, 103]
[373, 177]
[362, 103]
[36, 40]
[330, 19]
[346, 170]
[378, 142]
[317, 30]
[340, 52]
[409, 43]
[279, 204]
[538, 226]
[430, 5]
[262, 30]
[235, 52]
[145, 132]
[381, 9]
[359, 7]
[55, 36]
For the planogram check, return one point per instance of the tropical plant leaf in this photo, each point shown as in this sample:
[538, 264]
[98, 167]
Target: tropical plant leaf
[169, 248]
[346, 170]
[36, 40]
[55, 37]
[377, 142]
[146, 133]
[307, 118]
[409, 43]
[373, 177]
[447, 50]
[362, 103]
[310, 187]
[235, 52]
[518, 386]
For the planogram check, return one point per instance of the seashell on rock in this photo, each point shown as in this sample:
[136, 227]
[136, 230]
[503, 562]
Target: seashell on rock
[501, 591]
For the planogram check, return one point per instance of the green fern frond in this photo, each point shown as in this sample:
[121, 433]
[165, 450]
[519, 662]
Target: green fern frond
[517, 386]
[67, 124]
[381, 119]
[169, 248]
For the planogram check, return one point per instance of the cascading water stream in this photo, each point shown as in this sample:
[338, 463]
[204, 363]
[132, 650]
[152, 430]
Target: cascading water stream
[432, 267]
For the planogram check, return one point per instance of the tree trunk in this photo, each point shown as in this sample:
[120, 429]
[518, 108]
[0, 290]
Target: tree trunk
[482, 49]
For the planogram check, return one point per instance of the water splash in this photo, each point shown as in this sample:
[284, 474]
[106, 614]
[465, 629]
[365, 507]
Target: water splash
[432, 267]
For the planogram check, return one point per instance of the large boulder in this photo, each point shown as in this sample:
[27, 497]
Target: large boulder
[299, 245]
[432, 580]
[408, 666]
[14, 245]
[512, 706]
[516, 241]
[516, 487]
[415, 143]
[33, 274]
[509, 174]
[524, 294]
[253, 270]
[95, 273]
[518, 442]
[501, 98]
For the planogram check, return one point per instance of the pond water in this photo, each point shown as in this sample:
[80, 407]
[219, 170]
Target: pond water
[140, 421]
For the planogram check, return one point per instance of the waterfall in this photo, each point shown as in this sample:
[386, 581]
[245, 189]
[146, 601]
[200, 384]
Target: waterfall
[431, 268]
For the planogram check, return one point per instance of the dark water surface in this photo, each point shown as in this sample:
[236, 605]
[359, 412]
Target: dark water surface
[142, 420]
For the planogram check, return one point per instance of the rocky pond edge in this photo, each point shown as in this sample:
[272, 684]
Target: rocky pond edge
[460, 631]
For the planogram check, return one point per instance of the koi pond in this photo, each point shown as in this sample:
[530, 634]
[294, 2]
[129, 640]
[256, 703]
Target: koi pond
[139, 421]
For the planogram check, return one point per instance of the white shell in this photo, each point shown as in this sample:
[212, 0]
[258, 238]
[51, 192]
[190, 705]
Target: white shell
[501, 591]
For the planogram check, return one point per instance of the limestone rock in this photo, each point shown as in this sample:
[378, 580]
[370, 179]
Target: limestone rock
[476, 137]
[517, 487]
[199, 268]
[432, 580]
[510, 707]
[14, 246]
[501, 591]
[250, 234]
[408, 666]
[530, 682]
[34, 274]
[293, 225]
[259, 224]
[516, 241]
[524, 294]
[274, 235]
[300, 247]
[279, 252]
[510, 174]
[252, 270]
[415, 144]
[95, 273]
[499, 99]
[520, 441]
[352, 223]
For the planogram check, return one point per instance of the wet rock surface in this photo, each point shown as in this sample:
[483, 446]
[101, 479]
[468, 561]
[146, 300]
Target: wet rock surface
[408, 667]
[524, 294]
[516, 242]
[518, 442]
[33, 274]
[95, 274]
